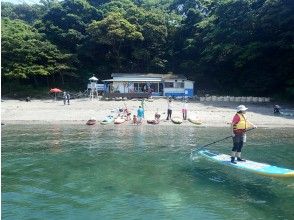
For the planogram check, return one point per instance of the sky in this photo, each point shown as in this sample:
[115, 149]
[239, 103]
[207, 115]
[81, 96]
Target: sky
[21, 1]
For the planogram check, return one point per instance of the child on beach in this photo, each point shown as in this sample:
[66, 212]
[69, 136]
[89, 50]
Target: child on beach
[135, 120]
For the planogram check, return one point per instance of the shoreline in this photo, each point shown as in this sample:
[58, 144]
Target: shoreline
[162, 123]
[212, 114]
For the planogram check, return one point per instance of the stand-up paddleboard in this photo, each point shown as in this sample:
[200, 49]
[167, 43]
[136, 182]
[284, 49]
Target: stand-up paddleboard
[285, 113]
[195, 121]
[109, 119]
[119, 120]
[177, 120]
[259, 168]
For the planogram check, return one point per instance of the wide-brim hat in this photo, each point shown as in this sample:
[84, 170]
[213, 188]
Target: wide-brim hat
[241, 108]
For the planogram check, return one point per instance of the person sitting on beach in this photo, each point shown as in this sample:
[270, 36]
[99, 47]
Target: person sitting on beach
[28, 99]
[120, 111]
[135, 120]
[277, 109]
[140, 114]
[127, 114]
[157, 117]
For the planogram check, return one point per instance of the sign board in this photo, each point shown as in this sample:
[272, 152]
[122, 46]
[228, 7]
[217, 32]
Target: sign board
[100, 87]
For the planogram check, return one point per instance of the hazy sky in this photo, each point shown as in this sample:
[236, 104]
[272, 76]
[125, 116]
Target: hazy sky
[21, 1]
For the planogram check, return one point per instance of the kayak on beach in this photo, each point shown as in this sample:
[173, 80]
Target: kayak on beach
[109, 119]
[91, 121]
[177, 120]
[251, 166]
[195, 121]
[119, 120]
[153, 122]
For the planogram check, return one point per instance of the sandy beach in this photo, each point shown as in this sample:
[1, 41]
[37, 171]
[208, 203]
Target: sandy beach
[212, 114]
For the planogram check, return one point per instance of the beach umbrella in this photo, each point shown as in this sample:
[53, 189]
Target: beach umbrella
[55, 90]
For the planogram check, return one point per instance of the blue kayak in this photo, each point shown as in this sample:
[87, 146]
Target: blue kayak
[259, 168]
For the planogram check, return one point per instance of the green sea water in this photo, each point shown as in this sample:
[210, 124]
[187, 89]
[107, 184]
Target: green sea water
[139, 172]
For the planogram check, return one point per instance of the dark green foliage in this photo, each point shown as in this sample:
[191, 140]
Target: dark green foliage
[227, 46]
[26, 54]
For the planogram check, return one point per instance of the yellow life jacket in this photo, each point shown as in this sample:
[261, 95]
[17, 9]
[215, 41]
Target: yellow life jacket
[242, 124]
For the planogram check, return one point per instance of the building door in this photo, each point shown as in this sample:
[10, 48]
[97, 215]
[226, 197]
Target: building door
[160, 89]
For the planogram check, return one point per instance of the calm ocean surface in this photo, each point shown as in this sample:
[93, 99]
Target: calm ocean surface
[139, 172]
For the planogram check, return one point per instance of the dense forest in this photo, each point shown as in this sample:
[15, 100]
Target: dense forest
[228, 47]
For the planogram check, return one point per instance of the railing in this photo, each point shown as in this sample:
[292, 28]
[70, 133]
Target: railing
[234, 99]
[127, 95]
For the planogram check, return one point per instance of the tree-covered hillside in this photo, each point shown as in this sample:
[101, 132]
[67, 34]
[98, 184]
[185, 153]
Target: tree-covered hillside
[226, 46]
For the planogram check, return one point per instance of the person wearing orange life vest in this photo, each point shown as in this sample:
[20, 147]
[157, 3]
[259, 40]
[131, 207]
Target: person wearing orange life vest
[239, 126]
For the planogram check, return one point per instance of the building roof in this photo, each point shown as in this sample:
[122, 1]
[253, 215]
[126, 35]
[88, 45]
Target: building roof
[137, 79]
[93, 78]
[149, 75]
[173, 76]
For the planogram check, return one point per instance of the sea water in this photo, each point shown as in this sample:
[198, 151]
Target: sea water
[139, 172]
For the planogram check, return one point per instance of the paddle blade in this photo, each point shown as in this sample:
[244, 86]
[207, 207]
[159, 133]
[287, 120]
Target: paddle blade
[193, 155]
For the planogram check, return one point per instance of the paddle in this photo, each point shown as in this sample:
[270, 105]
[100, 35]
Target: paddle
[250, 129]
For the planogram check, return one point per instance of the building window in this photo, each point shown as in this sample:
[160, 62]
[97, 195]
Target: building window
[179, 85]
[169, 85]
[140, 87]
[154, 87]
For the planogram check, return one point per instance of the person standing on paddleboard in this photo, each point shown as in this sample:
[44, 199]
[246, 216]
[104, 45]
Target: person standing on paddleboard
[239, 126]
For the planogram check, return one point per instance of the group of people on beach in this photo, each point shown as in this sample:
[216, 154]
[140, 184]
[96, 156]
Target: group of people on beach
[138, 118]
[66, 97]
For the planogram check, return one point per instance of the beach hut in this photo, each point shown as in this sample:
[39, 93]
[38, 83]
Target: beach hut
[144, 85]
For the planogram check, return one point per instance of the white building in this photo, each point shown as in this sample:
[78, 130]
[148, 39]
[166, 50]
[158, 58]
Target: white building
[153, 84]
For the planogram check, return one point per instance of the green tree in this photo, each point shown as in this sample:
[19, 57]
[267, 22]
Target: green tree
[65, 23]
[114, 31]
[27, 55]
